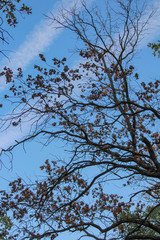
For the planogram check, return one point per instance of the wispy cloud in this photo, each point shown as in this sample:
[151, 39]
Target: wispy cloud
[42, 36]
[153, 28]
[37, 41]
[7, 138]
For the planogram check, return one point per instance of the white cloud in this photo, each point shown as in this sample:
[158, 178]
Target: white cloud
[153, 28]
[7, 138]
[36, 42]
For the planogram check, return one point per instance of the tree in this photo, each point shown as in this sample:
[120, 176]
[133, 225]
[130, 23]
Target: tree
[5, 226]
[107, 117]
[155, 47]
[9, 10]
[148, 213]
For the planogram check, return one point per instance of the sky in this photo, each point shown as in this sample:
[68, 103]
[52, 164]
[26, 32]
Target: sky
[36, 34]
[33, 35]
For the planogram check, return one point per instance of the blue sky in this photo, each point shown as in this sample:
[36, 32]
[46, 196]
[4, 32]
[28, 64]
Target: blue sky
[34, 35]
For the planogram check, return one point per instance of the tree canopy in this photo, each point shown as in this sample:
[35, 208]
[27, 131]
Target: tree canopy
[109, 120]
[5, 226]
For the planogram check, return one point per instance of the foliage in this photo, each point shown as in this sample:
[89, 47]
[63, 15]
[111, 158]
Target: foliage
[150, 214]
[5, 226]
[9, 10]
[109, 120]
[155, 47]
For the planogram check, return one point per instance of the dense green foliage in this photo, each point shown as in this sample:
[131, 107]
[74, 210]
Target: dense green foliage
[5, 226]
[155, 47]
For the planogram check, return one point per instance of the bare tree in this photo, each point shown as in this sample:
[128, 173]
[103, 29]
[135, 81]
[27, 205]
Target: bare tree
[107, 116]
